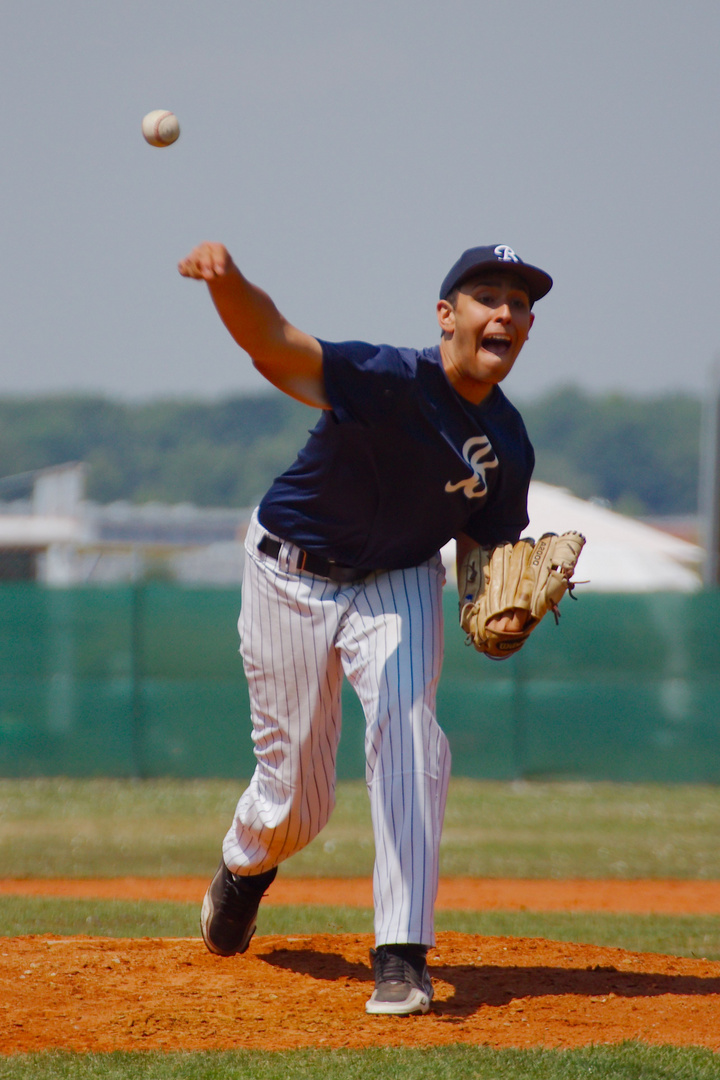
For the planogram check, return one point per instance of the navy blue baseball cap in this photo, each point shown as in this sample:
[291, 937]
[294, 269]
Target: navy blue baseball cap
[475, 260]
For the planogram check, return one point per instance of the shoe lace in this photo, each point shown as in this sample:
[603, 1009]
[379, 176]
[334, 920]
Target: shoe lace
[230, 899]
[239, 893]
[391, 968]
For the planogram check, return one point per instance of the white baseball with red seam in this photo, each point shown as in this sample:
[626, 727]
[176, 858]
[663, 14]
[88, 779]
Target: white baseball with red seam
[160, 127]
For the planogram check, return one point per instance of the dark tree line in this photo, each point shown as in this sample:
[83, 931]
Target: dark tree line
[640, 454]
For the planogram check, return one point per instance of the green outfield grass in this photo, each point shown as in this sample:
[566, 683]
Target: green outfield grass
[101, 828]
[105, 828]
[676, 935]
[628, 1061]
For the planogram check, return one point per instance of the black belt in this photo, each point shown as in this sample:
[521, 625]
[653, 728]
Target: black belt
[314, 564]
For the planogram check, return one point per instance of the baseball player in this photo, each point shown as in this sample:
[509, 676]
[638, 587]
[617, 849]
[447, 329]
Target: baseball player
[343, 577]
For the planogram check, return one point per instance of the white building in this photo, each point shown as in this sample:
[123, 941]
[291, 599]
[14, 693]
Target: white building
[622, 554]
[56, 536]
[53, 534]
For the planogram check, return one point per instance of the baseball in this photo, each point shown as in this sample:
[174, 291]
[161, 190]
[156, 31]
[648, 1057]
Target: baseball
[160, 127]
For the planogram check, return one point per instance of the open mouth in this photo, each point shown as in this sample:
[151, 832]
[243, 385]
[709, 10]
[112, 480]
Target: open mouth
[497, 344]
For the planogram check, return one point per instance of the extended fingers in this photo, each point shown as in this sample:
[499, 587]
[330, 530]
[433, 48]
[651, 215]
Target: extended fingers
[509, 624]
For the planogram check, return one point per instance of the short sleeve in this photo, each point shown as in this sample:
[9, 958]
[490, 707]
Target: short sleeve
[363, 381]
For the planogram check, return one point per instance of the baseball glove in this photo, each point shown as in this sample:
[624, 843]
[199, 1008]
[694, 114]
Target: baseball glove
[523, 577]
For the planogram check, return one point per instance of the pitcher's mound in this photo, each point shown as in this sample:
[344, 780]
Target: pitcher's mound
[100, 994]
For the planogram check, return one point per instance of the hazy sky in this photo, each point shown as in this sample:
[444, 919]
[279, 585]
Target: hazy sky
[347, 153]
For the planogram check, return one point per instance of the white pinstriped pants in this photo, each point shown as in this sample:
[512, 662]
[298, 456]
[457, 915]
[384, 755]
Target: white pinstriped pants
[298, 634]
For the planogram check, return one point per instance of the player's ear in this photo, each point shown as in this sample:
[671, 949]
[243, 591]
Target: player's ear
[446, 316]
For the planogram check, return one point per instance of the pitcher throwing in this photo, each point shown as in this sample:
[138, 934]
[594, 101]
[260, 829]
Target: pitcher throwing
[343, 577]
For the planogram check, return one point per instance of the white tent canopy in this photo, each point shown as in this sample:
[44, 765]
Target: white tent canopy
[621, 554]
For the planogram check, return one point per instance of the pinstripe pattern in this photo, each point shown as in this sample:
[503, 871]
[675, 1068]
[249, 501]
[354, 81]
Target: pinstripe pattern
[299, 633]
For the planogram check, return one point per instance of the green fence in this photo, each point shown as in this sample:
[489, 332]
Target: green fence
[147, 681]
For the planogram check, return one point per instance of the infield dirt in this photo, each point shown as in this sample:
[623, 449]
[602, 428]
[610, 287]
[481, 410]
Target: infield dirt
[96, 994]
[99, 994]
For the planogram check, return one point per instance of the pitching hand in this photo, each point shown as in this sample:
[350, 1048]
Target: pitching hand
[509, 624]
[207, 262]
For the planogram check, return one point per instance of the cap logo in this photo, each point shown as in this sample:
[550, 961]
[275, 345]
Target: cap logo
[505, 253]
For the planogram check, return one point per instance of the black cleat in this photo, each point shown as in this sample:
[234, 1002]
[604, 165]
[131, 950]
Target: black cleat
[229, 912]
[402, 981]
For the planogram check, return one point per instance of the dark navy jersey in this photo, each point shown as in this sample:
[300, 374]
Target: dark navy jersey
[401, 463]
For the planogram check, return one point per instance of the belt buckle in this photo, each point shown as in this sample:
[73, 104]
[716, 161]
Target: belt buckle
[302, 559]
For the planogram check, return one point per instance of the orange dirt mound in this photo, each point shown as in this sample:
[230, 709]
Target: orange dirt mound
[95, 994]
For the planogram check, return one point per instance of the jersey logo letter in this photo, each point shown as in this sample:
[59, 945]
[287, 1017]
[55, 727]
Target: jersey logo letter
[480, 456]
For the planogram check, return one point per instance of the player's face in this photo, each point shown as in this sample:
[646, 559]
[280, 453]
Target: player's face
[484, 332]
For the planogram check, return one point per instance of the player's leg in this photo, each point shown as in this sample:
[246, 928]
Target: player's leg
[392, 642]
[287, 625]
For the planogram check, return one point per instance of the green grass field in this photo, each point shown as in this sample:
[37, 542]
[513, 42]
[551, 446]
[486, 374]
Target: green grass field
[102, 828]
[677, 935]
[64, 828]
[629, 1061]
